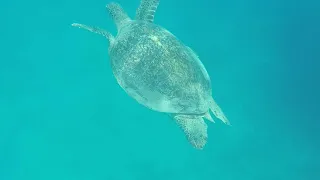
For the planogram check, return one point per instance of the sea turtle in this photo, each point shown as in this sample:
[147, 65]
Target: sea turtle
[159, 71]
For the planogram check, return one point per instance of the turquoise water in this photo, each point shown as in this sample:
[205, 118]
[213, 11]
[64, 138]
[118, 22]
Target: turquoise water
[63, 116]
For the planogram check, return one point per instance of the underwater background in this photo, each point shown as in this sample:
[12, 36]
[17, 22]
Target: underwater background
[64, 117]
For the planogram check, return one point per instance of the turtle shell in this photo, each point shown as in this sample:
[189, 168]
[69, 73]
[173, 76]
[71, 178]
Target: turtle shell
[158, 70]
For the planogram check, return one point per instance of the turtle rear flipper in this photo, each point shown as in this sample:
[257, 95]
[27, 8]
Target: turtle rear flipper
[96, 30]
[194, 128]
[119, 16]
[146, 10]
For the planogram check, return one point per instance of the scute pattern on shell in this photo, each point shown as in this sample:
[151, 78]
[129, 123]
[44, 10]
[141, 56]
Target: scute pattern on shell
[158, 70]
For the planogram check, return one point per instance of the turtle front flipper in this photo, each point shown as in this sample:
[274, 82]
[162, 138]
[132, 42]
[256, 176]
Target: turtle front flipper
[96, 30]
[194, 128]
[119, 16]
[146, 10]
[216, 110]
